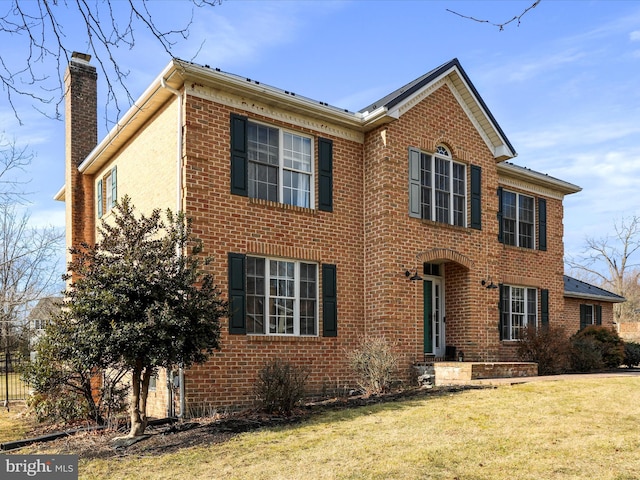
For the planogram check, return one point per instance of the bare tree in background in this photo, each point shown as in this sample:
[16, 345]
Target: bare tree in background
[29, 269]
[33, 34]
[611, 263]
[29, 256]
[13, 161]
[516, 18]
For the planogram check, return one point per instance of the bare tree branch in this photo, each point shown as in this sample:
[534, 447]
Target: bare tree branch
[13, 160]
[33, 36]
[29, 267]
[612, 261]
[500, 26]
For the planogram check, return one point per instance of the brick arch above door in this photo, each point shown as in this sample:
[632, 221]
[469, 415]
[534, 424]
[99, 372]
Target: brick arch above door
[444, 254]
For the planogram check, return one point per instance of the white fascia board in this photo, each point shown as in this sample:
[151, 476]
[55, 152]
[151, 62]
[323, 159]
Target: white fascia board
[527, 175]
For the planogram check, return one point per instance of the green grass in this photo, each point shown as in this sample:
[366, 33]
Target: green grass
[574, 429]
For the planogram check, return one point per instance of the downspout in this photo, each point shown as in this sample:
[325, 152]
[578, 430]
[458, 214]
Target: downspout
[179, 135]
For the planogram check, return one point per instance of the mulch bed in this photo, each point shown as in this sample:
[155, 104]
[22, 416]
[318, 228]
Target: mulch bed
[212, 430]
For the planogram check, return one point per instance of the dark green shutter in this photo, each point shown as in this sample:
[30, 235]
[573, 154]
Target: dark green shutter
[415, 187]
[500, 226]
[239, 160]
[114, 187]
[325, 174]
[476, 197]
[99, 199]
[598, 313]
[544, 308]
[237, 294]
[542, 224]
[329, 301]
[583, 316]
[501, 313]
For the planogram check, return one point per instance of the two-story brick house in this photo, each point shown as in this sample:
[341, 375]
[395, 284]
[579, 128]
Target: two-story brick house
[404, 219]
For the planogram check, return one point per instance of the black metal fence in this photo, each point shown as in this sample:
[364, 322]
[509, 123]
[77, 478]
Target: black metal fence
[12, 387]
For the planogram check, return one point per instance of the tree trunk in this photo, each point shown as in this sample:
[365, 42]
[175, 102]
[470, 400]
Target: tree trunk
[138, 404]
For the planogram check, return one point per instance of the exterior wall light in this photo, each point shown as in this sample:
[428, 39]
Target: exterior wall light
[413, 277]
[489, 284]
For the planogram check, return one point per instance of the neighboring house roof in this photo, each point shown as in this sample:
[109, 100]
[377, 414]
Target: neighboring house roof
[575, 288]
[179, 73]
[44, 308]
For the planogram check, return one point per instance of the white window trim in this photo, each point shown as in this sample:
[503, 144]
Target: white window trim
[282, 168]
[296, 304]
[534, 232]
[432, 173]
[510, 336]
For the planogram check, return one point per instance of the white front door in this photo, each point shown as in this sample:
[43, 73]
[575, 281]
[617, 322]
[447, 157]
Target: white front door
[434, 318]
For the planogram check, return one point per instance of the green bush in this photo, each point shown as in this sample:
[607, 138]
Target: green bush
[595, 348]
[374, 363]
[548, 346]
[631, 354]
[280, 386]
[586, 355]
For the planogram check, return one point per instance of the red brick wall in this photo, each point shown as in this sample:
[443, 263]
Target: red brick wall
[232, 223]
[572, 313]
[368, 236]
[394, 242]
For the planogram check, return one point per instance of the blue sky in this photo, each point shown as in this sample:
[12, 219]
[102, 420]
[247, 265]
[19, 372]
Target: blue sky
[563, 85]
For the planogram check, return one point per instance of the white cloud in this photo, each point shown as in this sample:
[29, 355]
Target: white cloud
[525, 71]
[635, 36]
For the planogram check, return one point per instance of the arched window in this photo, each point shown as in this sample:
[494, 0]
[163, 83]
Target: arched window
[443, 184]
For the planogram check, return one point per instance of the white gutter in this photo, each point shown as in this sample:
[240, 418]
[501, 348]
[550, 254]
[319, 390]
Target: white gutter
[179, 205]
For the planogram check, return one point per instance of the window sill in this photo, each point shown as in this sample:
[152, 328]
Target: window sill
[458, 228]
[282, 206]
[253, 338]
[522, 249]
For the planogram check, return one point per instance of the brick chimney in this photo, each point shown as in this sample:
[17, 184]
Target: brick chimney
[81, 137]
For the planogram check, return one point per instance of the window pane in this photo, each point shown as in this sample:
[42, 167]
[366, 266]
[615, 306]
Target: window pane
[589, 314]
[282, 296]
[526, 215]
[297, 152]
[262, 144]
[532, 307]
[425, 180]
[255, 295]
[517, 312]
[308, 299]
[281, 316]
[263, 182]
[442, 199]
[509, 215]
[296, 189]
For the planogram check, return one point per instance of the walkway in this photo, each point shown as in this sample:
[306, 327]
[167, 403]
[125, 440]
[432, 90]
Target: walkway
[634, 372]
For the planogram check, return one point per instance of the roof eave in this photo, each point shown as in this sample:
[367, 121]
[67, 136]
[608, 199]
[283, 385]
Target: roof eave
[499, 143]
[600, 298]
[178, 73]
[254, 90]
[537, 178]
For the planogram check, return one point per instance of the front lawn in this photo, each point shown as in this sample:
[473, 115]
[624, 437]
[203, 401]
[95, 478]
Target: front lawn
[574, 429]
